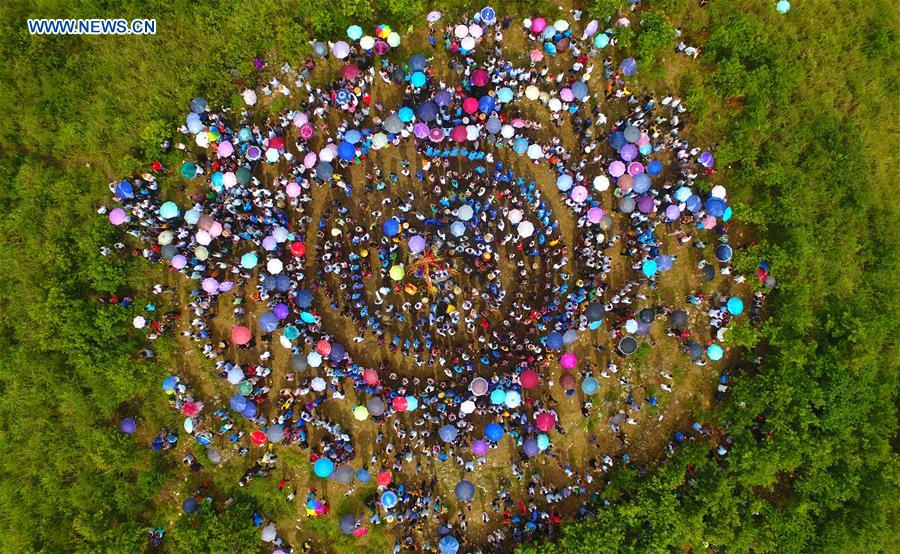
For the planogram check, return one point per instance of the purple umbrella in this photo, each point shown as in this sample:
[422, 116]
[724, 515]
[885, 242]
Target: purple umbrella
[210, 285]
[480, 447]
[416, 244]
[629, 152]
[281, 311]
[530, 447]
[645, 204]
[420, 130]
[707, 160]
[443, 98]
[672, 212]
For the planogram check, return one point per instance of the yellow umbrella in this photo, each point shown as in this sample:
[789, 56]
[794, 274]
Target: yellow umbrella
[397, 272]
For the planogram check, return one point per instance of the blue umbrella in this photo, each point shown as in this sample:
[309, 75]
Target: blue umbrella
[304, 299]
[406, 114]
[124, 190]
[641, 183]
[628, 67]
[362, 476]
[448, 433]
[554, 341]
[579, 90]
[493, 432]
[238, 403]
[353, 136]
[723, 253]
[417, 62]
[198, 105]
[268, 322]
[715, 206]
[417, 79]
[391, 227]
[388, 499]
[486, 104]
[488, 15]
[323, 467]
[128, 426]
[169, 383]
[617, 139]
[498, 396]
[457, 229]
[664, 262]
[448, 545]
[649, 268]
[346, 151]
[190, 505]
[249, 410]
[715, 352]
[693, 203]
[735, 305]
[590, 385]
[654, 168]
[521, 145]
[464, 490]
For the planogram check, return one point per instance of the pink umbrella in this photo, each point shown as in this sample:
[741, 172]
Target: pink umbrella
[210, 285]
[190, 408]
[310, 160]
[224, 149]
[479, 77]
[709, 222]
[518, 123]
[240, 335]
[545, 421]
[323, 347]
[568, 360]
[117, 216]
[478, 386]
[635, 168]
[381, 47]
[617, 168]
[536, 55]
[307, 131]
[470, 105]
[644, 140]
[420, 130]
[528, 379]
[566, 94]
[595, 214]
[458, 134]
[299, 119]
[436, 134]
[579, 194]
[360, 532]
[351, 71]
[538, 25]
[293, 190]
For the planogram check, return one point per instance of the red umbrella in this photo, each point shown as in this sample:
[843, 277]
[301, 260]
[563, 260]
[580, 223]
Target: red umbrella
[545, 421]
[479, 77]
[277, 143]
[381, 47]
[323, 347]
[470, 105]
[258, 438]
[384, 478]
[458, 134]
[399, 403]
[190, 408]
[350, 71]
[370, 377]
[240, 334]
[528, 379]
[298, 249]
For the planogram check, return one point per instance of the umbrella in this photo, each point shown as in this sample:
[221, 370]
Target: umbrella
[479, 77]
[448, 433]
[545, 421]
[323, 467]
[596, 311]
[375, 406]
[388, 499]
[362, 476]
[568, 360]
[627, 345]
[715, 352]
[240, 334]
[464, 490]
[528, 379]
[235, 376]
[275, 433]
[678, 319]
[343, 474]
[590, 385]
[347, 524]
[530, 448]
[493, 432]
[735, 305]
[340, 49]
[448, 545]
[269, 533]
[268, 322]
[478, 386]
[128, 426]
[480, 447]
[723, 253]
[647, 315]
[190, 505]
[628, 67]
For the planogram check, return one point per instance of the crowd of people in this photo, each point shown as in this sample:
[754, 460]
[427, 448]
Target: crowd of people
[441, 286]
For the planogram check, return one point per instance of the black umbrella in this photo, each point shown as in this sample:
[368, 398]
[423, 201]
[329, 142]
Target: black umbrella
[678, 319]
[595, 311]
[627, 345]
[647, 315]
[709, 272]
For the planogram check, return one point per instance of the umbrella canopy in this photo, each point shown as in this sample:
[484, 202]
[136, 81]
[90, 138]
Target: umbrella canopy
[464, 490]
[448, 433]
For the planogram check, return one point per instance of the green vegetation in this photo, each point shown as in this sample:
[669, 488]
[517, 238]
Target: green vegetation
[803, 107]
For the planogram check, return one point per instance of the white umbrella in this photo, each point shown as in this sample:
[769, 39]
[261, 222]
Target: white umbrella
[526, 229]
